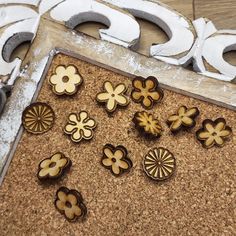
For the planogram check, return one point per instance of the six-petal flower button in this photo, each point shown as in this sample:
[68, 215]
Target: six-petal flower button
[65, 80]
[80, 126]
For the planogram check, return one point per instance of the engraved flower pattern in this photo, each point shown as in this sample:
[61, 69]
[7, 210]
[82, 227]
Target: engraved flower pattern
[115, 159]
[53, 167]
[113, 96]
[159, 164]
[65, 80]
[214, 133]
[147, 124]
[184, 118]
[80, 126]
[70, 204]
[146, 91]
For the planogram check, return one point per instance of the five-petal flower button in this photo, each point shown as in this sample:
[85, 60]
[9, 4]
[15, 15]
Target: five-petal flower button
[53, 167]
[115, 159]
[146, 91]
[113, 96]
[65, 80]
[183, 118]
[80, 126]
[69, 203]
[214, 133]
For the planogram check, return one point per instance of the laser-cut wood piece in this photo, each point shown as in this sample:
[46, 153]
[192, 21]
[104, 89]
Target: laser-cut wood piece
[147, 124]
[80, 126]
[159, 164]
[65, 80]
[38, 118]
[54, 167]
[183, 119]
[116, 159]
[69, 202]
[113, 96]
[146, 91]
[214, 133]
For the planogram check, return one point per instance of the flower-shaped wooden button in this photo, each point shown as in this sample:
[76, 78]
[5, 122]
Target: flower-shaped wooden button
[70, 204]
[113, 96]
[146, 91]
[184, 118]
[159, 164]
[80, 126]
[38, 118]
[65, 80]
[115, 159]
[147, 124]
[213, 133]
[53, 167]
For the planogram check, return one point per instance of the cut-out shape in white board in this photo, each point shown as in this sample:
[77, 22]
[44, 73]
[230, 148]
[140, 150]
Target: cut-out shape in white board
[13, 36]
[211, 45]
[213, 51]
[204, 30]
[123, 28]
[12, 14]
[175, 25]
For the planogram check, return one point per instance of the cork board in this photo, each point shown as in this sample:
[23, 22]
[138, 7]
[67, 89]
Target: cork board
[199, 199]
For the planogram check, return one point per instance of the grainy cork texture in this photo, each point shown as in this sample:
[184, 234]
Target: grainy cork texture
[200, 199]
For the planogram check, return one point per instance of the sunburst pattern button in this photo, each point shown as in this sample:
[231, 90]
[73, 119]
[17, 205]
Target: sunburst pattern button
[159, 164]
[38, 118]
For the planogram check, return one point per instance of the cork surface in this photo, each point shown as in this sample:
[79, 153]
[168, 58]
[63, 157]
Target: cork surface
[199, 199]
